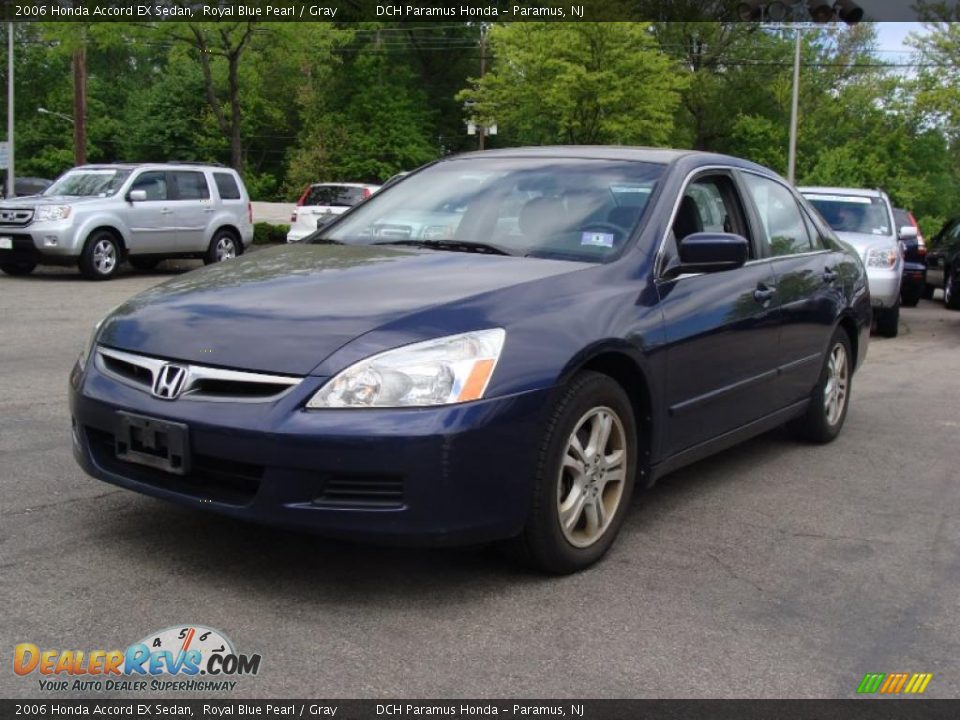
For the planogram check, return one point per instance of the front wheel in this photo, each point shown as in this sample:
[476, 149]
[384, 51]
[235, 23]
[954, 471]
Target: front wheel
[100, 259]
[585, 476]
[888, 321]
[831, 396]
[911, 297]
[223, 246]
[951, 293]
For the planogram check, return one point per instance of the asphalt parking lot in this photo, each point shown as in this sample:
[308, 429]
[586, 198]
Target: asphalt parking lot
[776, 569]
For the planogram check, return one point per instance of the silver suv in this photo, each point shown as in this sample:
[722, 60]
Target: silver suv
[95, 216]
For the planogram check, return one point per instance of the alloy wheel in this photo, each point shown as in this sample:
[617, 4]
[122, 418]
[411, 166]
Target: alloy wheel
[104, 256]
[226, 248]
[592, 477]
[835, 391]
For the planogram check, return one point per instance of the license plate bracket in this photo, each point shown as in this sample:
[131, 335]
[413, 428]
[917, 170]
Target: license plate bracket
[155, 443]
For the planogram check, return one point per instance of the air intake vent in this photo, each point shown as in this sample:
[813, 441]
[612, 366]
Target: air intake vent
[361, 491]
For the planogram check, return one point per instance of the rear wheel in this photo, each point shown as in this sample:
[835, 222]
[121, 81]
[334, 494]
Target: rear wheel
[100, 259]
[143, 264]
[584, 478]
[223, 246]
[910, 298]
[18, 267]
[888, 321]
[831, 396]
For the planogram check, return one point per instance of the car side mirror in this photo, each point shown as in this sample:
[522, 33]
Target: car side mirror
[907, 232]
[137, 195]
[707, 252]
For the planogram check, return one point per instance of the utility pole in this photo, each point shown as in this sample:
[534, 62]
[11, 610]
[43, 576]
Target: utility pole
[794, 109]
[482, 129]
[11, 176]
[80, 105]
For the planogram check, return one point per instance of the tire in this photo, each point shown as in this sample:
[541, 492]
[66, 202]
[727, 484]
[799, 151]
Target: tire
[831, 396]
[888, 321]
[100, 259]
[590, 403]
[223, 246]
[18, 267]
[951, 292]
[927, 292]
[910, 298]
[143, 264]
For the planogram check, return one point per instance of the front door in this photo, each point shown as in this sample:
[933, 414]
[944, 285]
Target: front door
[722, 328]
[148, 219]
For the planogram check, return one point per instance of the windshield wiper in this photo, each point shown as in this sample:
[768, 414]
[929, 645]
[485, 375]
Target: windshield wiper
[311, 240]
[453, 246]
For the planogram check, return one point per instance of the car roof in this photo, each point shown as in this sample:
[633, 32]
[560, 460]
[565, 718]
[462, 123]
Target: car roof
[656, 155]
[342, 184]
[171, 165]
[856, 192]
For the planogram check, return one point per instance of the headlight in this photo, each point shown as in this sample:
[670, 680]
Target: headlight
[88, 348]
[52, 212]
[444, 371]
[882, 257]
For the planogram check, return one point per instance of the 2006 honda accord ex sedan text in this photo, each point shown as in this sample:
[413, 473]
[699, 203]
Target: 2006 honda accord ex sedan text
[499, 346]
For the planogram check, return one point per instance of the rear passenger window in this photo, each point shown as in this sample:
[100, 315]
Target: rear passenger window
[227, 187]
[191, 185]
[784, 227]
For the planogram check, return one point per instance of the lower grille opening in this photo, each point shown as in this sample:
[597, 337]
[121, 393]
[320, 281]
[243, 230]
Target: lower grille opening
[383, 491]
[237, 389]
[210, 478]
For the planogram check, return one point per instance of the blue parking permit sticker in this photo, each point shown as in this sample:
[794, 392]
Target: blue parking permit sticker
[597, 239]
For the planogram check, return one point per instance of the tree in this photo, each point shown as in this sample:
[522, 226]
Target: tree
[577, 83]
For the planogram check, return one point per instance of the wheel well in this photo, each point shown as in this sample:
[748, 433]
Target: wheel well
[230, 229]
[117, 235]
[850, 327]
[629, 376]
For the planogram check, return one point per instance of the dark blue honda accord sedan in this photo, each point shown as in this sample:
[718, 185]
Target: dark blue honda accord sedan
[500, 345]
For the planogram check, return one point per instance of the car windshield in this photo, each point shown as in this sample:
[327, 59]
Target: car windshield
[88, 183]
[544, 207]
[852, 213]
[333, 195]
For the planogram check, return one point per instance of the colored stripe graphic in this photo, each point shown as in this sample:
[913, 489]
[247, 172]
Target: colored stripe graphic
[871, 682]
[895, 683]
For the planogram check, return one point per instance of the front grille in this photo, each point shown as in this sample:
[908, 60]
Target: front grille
[200, 382]
[16, 217]
[383, 491]
[210, 478]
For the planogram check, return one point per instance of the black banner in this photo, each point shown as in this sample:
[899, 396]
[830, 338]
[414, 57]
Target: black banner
[892, 709]
[469, 10]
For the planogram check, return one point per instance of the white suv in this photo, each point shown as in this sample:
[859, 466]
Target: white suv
[321, 202]
[95, 216]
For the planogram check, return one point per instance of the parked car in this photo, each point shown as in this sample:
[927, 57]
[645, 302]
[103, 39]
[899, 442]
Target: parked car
[914, 251]
[96, 216]
[864, 219]
[322, 202]
[943, 264]
[596, 318]
[24, 186]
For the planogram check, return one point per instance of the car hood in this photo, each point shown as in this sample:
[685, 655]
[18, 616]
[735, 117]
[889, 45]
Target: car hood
[37, 200]
[862, 241]
[284, 310]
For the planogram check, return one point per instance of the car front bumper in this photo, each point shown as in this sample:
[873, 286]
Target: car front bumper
[41, 242]
[448, 475]
[884, 285]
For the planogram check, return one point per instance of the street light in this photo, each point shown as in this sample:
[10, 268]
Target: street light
[44, 111]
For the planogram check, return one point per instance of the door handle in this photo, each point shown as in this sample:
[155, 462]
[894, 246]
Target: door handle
[829, 276]
[208, 209]
[166, 211]
[764, 293]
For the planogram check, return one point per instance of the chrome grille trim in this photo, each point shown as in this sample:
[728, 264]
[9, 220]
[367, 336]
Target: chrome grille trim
[147, 369]
[16, 216]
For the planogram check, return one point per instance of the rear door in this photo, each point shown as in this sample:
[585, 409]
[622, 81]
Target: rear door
[320, 203]
[192, 209]
[810, 283]
[722, 329]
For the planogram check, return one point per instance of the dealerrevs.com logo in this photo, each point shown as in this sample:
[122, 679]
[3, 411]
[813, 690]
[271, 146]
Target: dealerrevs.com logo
[180, 658]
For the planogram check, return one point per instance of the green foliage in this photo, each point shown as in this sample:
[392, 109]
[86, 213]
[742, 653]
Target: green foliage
[578, 83]
[265, 233]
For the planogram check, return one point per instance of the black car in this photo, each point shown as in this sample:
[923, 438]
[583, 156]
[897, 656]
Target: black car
[943, 264]
[540, 330]
[914, 257]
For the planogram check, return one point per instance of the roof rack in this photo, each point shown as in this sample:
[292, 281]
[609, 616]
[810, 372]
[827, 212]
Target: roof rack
[191, 162]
